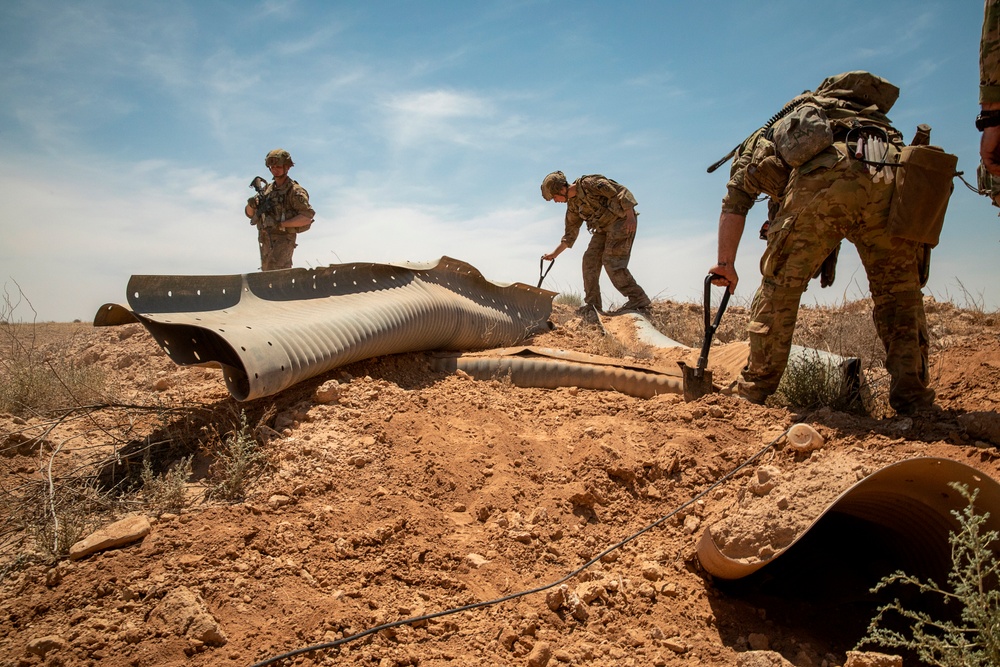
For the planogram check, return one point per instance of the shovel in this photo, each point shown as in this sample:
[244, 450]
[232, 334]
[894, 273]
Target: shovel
[541, 276]
[697, 380]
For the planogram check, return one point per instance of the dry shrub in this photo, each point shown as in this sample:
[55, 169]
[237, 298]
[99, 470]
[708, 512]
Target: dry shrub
[239, 460]
[971, 640]
[813, 381]
[846, 330]
[572, 299]
[166, 492]
[685, 322]
[51, 516]
[34, 383]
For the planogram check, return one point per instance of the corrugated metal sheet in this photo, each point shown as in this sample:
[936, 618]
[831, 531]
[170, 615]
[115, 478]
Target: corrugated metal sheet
[550, 368]
[272, 330]
[912, 499]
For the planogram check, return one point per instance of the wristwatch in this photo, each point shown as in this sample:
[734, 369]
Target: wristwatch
[987, 119]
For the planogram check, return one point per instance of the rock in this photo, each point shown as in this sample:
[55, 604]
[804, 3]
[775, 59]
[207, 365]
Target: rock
[163, 383]
[765, 480]
[540, 655]
[126, 531]
[182, 612]
[556, 597]
[585, 497]
[328, 392]
[758, 642]
[872, 659]
[652, 571]
[43, 645]
[676, 644]
[983, 426]
[761, 659]
[278, 500]
[589, 591]
[475, 560]
[804, 438]
[537, 516]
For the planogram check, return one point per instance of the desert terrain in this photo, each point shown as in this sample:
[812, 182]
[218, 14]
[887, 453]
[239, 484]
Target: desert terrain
[386, 491]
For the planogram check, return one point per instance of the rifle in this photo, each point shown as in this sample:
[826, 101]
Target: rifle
[265, 205]
[785, 110]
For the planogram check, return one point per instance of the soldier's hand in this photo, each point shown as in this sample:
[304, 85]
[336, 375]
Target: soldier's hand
[724, 276]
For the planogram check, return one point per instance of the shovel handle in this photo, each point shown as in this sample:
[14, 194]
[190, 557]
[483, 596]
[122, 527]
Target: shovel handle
[541, 276]
[710, 325]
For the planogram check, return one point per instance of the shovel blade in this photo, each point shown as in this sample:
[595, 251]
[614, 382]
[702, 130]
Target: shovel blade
[697, 382]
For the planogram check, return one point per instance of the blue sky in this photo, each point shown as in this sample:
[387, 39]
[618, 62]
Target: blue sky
[131, 130]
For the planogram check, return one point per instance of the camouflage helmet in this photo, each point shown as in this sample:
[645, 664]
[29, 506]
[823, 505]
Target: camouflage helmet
[279, 156]
[553, 184]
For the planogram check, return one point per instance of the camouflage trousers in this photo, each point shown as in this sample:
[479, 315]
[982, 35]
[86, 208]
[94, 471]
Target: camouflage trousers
[276, 248]
[610, 248]
[819, 210]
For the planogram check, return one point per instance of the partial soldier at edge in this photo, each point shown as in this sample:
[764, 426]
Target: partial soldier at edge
[988, 121]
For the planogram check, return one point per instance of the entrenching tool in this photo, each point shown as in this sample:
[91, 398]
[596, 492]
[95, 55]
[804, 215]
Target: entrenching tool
[697, 380]
[541, 276]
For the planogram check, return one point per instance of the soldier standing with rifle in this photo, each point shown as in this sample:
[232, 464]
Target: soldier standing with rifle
[280, 210]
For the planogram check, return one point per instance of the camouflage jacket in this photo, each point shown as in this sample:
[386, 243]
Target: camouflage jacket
[989, 54]
[740, 196]
[599, 202]
[283, 203]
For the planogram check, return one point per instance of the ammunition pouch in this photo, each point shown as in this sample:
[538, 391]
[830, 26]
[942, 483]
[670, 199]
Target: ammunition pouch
[924, 183]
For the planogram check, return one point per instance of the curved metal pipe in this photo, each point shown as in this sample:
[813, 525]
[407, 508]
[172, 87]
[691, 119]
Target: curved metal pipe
[548, 369]
[272, 330]
[910, 498]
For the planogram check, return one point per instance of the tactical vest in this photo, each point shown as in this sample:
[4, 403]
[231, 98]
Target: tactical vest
[608, 209]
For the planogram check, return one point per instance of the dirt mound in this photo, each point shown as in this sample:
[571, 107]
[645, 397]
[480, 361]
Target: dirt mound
[406, 491]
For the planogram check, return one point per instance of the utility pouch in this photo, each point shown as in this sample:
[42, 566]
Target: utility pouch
[827, 271]
[924, 183]
[988, 185]
[802, 135]
[924, 264]
[767, 172]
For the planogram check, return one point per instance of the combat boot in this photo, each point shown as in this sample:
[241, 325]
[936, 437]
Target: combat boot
[639, 305]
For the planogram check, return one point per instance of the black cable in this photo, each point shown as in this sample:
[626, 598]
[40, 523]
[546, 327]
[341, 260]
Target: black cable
[513, 596]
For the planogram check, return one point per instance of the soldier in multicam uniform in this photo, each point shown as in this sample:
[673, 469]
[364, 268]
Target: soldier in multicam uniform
[280, 212]
[988, 121]
[830, 197]
[609, 211]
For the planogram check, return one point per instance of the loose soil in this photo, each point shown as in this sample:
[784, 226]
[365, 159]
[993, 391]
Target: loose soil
[408, 492]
